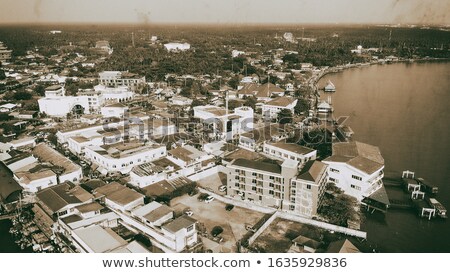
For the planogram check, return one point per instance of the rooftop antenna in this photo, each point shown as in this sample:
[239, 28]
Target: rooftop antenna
[132, 38]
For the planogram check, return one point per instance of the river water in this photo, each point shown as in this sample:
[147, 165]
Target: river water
[404, 109]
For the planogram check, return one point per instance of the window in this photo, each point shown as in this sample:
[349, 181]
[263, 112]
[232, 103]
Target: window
[253, 188]
[334, 170]
[236, 184]
[271, 192]
[260, 198]
[253, 174]
[260, 176]
[271, 177]
[357, 177]
[271, 185]
[355, 187]
[292, 207]
[293, 200]
[253, 181]
[190, 228]
[308, 187]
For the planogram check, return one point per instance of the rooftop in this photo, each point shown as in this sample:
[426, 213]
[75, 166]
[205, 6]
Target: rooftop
[153, 211]
[262, 166]
[312, 171]
[364, 157]
[179, 224]
[186, 153]
[119, 194]
[61, 195]
[100, 239]
[292, 147]
[266, 90]
[281, 101]
[46, 154]
[94, 206]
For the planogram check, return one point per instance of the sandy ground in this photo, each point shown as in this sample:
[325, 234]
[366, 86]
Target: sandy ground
[214, 214]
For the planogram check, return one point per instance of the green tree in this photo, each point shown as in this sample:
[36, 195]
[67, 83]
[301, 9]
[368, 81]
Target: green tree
[232, 104]
[250, 101]
[301, 106]
[234, 82]
[285, 116]
[338, 207]
[2, 75]
[22, 95]
[39, 90]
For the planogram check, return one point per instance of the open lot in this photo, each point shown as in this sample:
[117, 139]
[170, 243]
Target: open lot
[213, 182]
[277, 238]
[214, 214]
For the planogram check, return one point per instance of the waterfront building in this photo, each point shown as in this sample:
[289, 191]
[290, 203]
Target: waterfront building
[271, 108]
[60, 200]
[356, 168]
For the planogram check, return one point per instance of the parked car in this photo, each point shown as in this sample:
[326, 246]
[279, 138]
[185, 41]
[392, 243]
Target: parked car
[229, 207]
[209, 199]
[222, 188]
[250, 228]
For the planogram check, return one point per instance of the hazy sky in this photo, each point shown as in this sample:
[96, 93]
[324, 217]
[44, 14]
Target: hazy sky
[226, 11]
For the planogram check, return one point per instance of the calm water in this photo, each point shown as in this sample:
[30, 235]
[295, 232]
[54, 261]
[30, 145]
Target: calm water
[404, 109]
[7, 244]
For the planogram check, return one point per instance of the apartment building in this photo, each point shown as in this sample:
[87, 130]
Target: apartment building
[292, 151]
[121, 78]
[307, 189]
[283, 186]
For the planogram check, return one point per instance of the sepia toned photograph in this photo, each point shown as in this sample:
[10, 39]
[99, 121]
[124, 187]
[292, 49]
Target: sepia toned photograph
[214, 126]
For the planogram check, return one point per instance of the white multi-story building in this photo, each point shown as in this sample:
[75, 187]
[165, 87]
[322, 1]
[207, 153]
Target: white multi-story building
[271, 108]
[122, 157]
[149, 173]
[190, 159]
[356, 168]
[262, 183]
[225, 125]
[292, 151]
[285, 186]
[175, 47]
[307, 189]
[121, 78]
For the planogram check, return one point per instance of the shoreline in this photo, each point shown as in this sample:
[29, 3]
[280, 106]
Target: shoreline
[337, 69]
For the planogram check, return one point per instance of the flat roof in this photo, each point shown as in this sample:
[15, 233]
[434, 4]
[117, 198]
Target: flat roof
[100, 239]
[262, 166]
[179, 223]
[292, 147]
[94, 206]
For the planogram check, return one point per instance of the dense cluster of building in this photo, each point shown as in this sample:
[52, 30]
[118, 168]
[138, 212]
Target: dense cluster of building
[112, 154]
